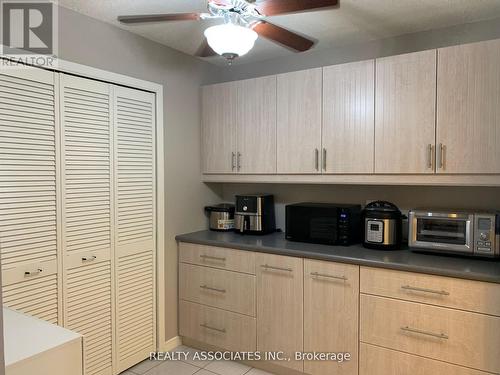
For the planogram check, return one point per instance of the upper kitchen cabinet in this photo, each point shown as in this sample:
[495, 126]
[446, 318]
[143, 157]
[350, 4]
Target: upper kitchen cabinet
[219, 127]
[405, 108]
[299, 122]
[468, 114]
[348, 117]
[256, 125]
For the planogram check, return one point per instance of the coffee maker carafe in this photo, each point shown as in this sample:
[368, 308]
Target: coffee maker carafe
[255, 214]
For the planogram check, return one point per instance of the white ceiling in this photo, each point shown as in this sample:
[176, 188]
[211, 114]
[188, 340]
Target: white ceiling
[355, 21]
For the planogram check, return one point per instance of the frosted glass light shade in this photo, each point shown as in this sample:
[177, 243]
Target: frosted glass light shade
[230, 40]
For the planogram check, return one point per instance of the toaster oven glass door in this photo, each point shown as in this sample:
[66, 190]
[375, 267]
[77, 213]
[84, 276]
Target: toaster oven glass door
[445, 233]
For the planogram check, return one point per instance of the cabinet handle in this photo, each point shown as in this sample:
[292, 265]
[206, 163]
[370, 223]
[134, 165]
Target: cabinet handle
[317, 274]
[212, 289]
[38, 271]
[210, 257]
[430, 156]
[316, 154]
[425, 290]
[324, 159]
[233, 161]
[426, 333]
[268, 267]
[239, 161]
[221, 330]
[89, 259]
[442, 150]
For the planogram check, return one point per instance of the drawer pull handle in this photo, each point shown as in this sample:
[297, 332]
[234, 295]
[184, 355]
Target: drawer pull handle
[209, 257]
[223, 330]
[89, 259]
[38, 271]
[425, 290]
[432, 334]
[213, 289]
[268, 267]
[317, 274]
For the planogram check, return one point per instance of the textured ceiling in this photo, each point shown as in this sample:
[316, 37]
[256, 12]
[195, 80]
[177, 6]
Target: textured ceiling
[355, 21]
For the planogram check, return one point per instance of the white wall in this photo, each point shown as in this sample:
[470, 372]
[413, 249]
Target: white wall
[405, 197]
[91, 42]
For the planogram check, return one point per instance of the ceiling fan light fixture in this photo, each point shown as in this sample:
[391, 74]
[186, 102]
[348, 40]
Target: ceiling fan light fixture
[230, 40]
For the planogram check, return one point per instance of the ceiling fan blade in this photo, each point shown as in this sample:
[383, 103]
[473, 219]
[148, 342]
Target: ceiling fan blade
[205, 50]
[276, 7]
[283, 36]
[160, 17]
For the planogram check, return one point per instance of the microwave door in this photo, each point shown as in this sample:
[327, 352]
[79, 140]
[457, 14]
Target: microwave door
[448, 233]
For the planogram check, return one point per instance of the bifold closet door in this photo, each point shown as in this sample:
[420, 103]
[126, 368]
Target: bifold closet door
[135, 234]
[87, 216]
[29, 235]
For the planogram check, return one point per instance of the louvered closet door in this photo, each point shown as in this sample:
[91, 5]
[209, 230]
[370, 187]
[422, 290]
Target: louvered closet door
[87, 217]
[28, 205]
[135, 229]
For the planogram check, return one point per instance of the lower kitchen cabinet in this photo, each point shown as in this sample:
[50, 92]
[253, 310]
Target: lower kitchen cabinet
[331, 305]
[374, 360]
[280, 306]
[390, 322]
[224, 329]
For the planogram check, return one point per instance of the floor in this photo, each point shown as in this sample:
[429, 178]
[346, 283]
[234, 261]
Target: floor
[192, 366]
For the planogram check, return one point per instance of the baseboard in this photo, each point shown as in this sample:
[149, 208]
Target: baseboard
[171, 344]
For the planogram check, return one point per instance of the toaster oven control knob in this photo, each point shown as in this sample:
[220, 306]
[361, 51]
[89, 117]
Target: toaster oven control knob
[483, 236]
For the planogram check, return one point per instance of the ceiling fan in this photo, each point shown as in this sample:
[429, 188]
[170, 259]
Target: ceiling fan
[244, 21]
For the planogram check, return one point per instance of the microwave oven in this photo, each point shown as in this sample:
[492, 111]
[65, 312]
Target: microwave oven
[323, 223]
[463, 232]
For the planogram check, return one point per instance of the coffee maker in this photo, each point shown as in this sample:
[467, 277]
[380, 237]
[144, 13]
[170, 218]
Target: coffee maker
[255, 214]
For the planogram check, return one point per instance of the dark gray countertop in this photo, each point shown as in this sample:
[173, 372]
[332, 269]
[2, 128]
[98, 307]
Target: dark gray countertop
[406, 260]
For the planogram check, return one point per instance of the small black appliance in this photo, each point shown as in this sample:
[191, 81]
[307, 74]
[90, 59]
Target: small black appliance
[324, 223]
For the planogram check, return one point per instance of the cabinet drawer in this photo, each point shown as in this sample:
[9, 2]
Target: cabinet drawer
[458, 337]
[217, 257]
[218, 288]
[375, 360]
[461, 294]
[216, 327]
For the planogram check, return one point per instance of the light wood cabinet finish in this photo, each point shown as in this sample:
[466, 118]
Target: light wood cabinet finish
[219, 127]
[218, 288]
[331, 305]
[280, 306]
[256, 125]
[460, 294]
[405, 103]
[299, 122]
[468, 114]
[216, 327]
[348, 117]
[375, 360]
[217, 257]
[454, 336]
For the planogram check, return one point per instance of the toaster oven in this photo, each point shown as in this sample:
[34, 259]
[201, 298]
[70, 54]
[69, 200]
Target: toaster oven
[462, 232]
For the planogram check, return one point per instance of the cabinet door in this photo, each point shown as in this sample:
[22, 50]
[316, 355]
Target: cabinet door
[331, 305]
[468, 117]
[256, 122]
[405, 102]
[86, 135]
[348, 117]
[299, 122]
[29, 233]
[280, 306]
[135, 232]
[219, 127]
